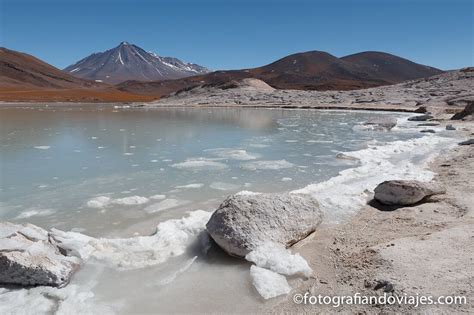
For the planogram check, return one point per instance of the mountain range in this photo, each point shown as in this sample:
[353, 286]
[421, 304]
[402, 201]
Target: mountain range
[130, 62]
[313, 70]
[139, 75]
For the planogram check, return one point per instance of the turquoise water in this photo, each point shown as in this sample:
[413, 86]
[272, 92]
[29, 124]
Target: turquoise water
[55, 160]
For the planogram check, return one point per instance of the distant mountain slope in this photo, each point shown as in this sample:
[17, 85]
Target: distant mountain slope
[26, 78]
[390, 68]
[22, 70]
[313, 70]
[130, 62]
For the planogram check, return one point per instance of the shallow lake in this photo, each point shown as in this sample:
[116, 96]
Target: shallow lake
[119, 173]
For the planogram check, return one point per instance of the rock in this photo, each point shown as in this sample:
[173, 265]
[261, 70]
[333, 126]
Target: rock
[424, 117]
[467, 142]
[421, 109]
[342, 156]
[246, 220]
[468, 110]
[381, 123]
[428, 131]
[450, 127]
[28, 258]
[405, 192]
[386, 285]
[428, 124]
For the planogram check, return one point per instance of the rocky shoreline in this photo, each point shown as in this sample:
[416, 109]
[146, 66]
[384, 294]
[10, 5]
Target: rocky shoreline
[423, 249]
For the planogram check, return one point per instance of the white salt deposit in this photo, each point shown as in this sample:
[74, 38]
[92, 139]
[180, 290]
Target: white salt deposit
[32, 212]
[200, 164]
[267, 165]
[158, 197]
[171, 239]
[378, 163]
[190, 186]
[233, 154]
[130, 201]
[165, 205]
[224, 186]
[99, 202]
[277, 258]
[269, 284]
[104, 201]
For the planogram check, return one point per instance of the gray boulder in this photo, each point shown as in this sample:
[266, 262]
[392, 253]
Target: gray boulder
[245, 220]
[424, 117]
[405, 192]
[450, 127]
[381, 123]
[28, 258]
[467, 142]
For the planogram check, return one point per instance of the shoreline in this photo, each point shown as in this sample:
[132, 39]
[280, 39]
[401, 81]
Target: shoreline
[420, 250]
[149, 106]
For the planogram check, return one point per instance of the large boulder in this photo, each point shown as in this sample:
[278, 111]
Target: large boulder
[468, 110]
[405, 192]
[246, 220]
[28, 258]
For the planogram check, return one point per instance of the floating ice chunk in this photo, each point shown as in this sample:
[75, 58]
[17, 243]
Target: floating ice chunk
[196, 185]
[286, 179]
[200, 164]
[277, 258]
[42, 147]
[165, 205]
[128, 153]
[34, 212]
[130, 201]
[269, 284]
[267, 165]
[223, 186]
[171, 239]
[233, 154]
[99, 202]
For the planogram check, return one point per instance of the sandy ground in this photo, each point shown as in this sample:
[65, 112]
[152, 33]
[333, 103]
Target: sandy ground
[425, 249]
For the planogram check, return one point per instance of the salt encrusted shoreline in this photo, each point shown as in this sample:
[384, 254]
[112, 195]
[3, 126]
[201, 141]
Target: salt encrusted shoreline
[424, 249]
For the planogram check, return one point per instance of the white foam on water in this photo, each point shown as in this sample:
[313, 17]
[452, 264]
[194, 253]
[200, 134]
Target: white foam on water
[190, 186]
[42, 147]
[277, 258]
[267, 165]
[171, 239]
[34, 212]
[233, 154]
[223, 186]
[269, 284]
[165, 205]
[200, 164]
[346, 193]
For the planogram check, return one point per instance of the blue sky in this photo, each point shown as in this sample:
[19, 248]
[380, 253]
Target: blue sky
[235, 34]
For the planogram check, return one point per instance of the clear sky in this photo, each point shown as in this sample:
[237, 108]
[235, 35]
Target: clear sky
[235, 34]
